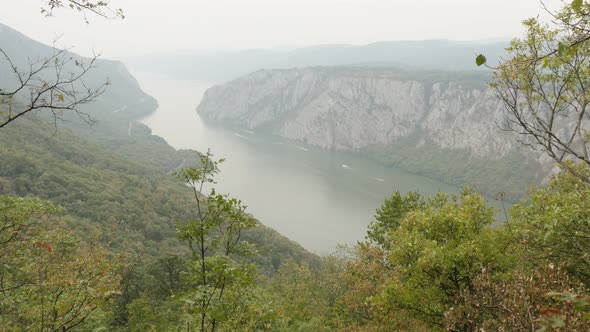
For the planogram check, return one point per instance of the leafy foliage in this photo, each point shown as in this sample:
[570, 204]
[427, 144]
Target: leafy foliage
[304, 297]
[219, 288]
[543, 86]
[390, 214]
[515, 301]
[555, 223]
[437, 250]
[115, 202]
[50, 280]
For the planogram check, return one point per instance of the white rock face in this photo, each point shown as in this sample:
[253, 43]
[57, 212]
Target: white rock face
[356, 109]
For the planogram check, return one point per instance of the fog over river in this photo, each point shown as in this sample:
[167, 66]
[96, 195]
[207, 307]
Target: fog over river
[316, 197]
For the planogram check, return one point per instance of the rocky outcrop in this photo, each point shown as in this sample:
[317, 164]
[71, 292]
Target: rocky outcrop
[355, 109]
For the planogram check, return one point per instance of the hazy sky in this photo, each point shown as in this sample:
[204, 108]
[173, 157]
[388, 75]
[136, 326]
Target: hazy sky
[174, 25]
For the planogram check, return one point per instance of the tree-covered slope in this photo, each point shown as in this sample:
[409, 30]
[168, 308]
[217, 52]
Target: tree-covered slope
[134, 206]
[112, 176]
[115, 242]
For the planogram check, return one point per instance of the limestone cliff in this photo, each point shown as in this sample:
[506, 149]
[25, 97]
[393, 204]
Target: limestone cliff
[363, 110]
[356, 109]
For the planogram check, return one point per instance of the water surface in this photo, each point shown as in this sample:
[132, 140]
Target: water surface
[316, 197]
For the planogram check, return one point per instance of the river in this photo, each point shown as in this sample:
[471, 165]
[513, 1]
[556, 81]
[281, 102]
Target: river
[315, 197]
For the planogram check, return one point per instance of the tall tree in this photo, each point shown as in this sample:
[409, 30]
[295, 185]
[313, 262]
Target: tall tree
[220, 287]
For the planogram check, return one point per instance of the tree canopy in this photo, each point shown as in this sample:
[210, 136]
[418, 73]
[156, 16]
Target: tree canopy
[544, 82]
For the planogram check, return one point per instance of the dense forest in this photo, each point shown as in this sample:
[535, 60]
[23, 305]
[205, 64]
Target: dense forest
[105, 227]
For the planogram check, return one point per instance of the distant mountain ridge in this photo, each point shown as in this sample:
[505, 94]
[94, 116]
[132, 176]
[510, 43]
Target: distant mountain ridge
[222, 66]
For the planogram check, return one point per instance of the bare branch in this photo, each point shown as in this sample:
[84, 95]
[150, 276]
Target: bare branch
[54, 84]
[544, 88]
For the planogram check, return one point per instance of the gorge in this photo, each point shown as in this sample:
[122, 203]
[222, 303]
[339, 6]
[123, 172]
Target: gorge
[445, 125]
[315, 197]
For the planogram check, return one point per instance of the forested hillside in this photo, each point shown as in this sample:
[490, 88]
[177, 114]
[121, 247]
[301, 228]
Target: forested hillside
[98, 193]
[91, 169]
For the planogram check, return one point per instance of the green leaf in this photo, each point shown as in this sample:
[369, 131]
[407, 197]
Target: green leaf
[562, 49]
[480, 60]
[577, 5]
[572, 50]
